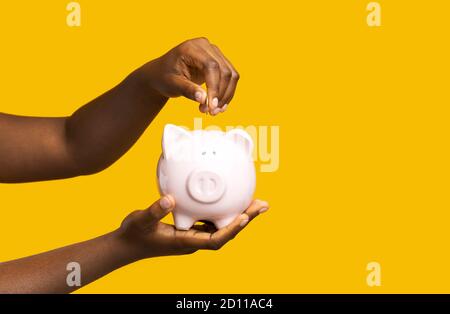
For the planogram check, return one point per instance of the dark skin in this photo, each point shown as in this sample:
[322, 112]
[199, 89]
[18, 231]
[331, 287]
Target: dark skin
[141, 235]
[94, 137]
[99, 133]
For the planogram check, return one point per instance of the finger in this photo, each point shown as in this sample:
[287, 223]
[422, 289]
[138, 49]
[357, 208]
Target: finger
[232, 80]
[256, 207]
[188, 89]
[222, 236]
[210, 68]
[201, 58]
[158, 210]
[231, 90]
[225, 234]
[212, 80]
[193, 238]
[214, 241]
[203, 107]
[225, 76]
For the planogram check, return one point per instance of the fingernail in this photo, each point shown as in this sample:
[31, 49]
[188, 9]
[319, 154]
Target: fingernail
[224, 107]
[198, 96]
[165, 203]
[263, 203]
[215, 102]
[244, 220]
[215, 111]
[263, 210]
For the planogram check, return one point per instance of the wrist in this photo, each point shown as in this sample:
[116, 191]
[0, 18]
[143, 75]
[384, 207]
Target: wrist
[124, 251]
[146, 83]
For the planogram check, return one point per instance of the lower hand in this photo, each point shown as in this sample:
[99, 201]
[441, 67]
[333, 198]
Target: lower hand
[144, 235]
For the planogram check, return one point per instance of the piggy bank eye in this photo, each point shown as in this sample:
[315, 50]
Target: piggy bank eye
[203, 153]
[214, 152]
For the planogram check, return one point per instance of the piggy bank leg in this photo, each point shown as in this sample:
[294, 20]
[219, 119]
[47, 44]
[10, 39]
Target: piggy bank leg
[183, 222]
[223, 222]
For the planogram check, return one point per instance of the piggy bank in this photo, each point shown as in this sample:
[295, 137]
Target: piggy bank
[210, 174]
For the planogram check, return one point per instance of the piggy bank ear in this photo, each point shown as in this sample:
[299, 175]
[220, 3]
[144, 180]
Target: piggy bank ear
[173, 141]
[242, 139]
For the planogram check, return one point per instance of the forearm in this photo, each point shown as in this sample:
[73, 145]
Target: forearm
[47, 272]
[104, 129]
[100, 132]
[96, 135]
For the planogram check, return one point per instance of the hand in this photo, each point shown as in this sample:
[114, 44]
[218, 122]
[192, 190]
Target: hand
[144, 235]
[182, 70]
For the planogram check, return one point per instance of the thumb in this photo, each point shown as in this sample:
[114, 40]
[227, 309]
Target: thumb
[158, 210]
[189, 89]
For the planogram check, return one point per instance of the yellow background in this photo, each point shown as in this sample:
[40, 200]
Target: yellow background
[364, 125]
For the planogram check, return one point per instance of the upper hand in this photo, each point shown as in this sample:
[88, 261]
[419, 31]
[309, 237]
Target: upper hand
[182, 70]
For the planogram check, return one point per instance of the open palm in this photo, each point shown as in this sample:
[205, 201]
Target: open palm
[144, 231]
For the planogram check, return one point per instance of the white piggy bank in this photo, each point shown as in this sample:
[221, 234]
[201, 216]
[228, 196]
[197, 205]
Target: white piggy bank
[210, 174]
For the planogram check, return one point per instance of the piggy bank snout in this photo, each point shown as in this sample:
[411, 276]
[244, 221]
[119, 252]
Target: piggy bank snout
[206, 186]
